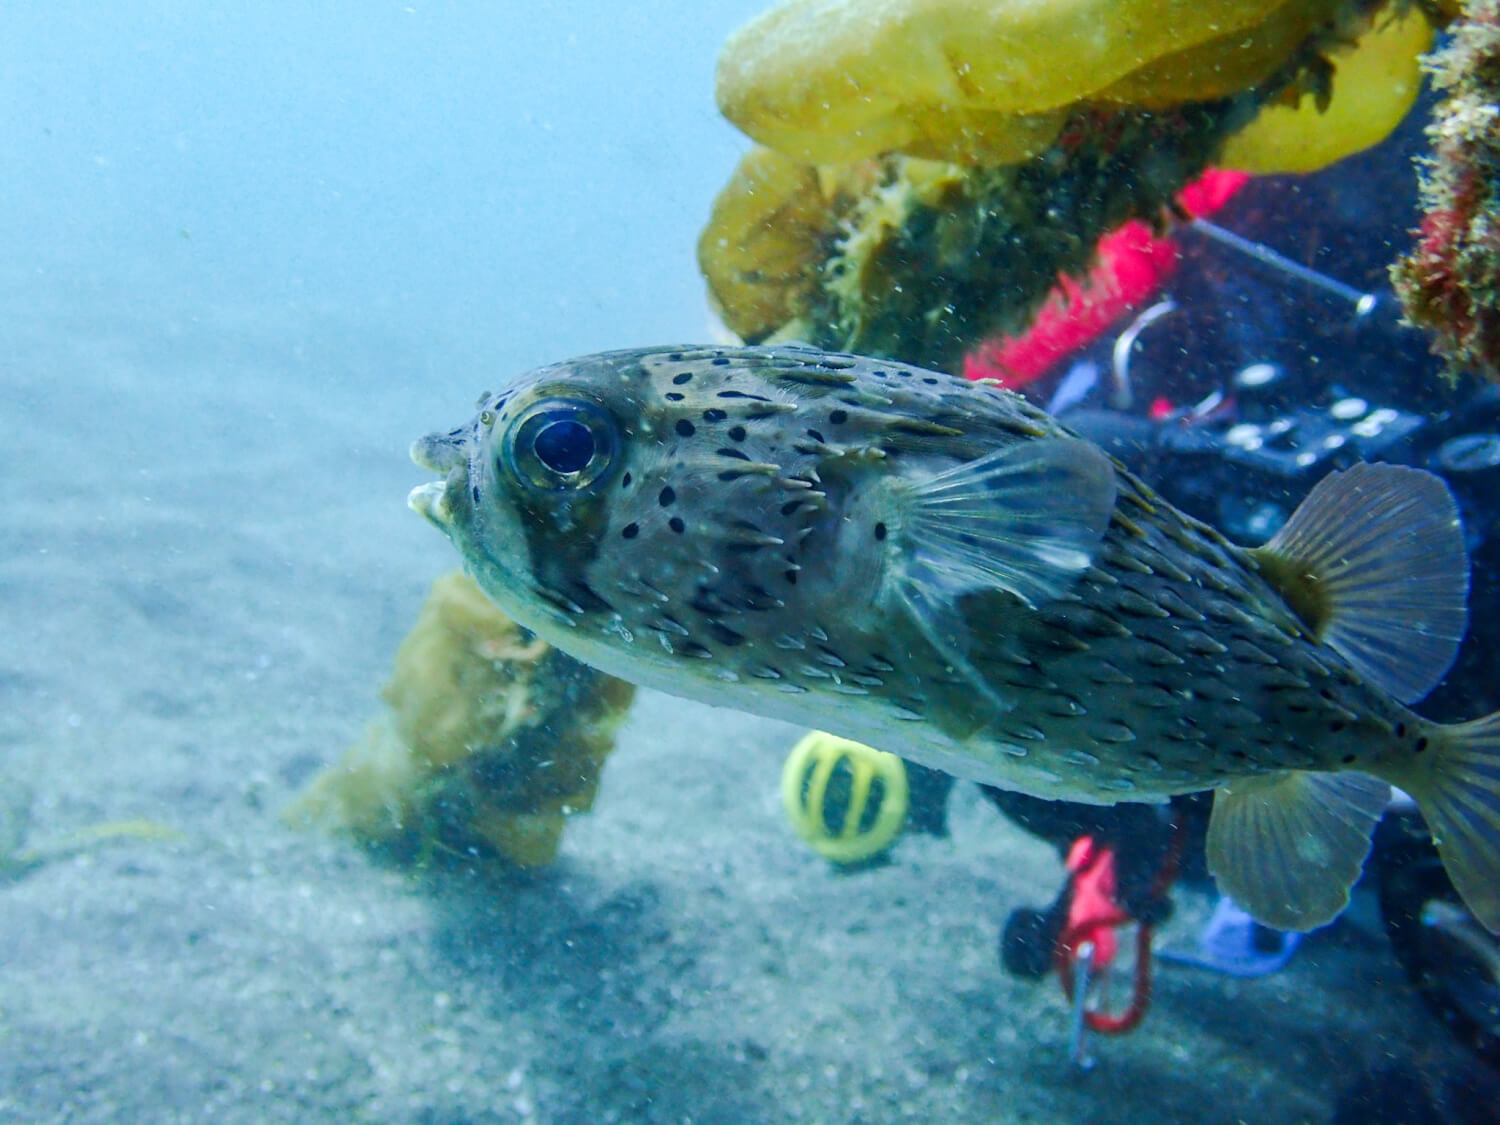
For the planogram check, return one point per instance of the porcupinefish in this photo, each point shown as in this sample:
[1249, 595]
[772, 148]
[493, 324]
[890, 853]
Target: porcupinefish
[939, 569]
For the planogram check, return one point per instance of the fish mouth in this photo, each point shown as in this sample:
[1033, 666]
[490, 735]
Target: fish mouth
[430, 501]
[447, 455]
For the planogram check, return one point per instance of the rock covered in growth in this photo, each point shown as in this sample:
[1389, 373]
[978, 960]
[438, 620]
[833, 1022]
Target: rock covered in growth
[1450, 282]
[933, 166]
[492, 739]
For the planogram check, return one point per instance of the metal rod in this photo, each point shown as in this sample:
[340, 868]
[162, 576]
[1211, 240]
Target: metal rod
[1078, 1050]
[1363, 302]
[1124, 343]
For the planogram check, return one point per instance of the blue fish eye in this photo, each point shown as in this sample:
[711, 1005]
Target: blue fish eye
[564, 446]
[560, 445]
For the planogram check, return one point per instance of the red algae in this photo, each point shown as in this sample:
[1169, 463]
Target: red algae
[1450, 282]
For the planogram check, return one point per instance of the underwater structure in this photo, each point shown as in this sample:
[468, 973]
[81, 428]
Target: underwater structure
[1450, 282]
[491, 740]
[928, 168]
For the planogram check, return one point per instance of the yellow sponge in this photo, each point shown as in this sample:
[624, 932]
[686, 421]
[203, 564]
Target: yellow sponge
[1374, 87]
[828, 81]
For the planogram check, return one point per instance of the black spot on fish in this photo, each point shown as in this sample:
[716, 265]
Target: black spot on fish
[738, 455]
[1421, 745]
[790, 506]
[667, 496]
[1348, 759]
[736, 433]
[625, 480]
[721, 361]
[880, 531]
[1400, 730]
[838, 417]
[685, 428]
[676, 524]
[742, 394]
[707, 601]
[474, 491]
[759, 599]
[682, 378]
[791, 577]
[817, 437]
[1336, 726]
[724, 634]
[589, 598]
[674, 396]
[630, 530]
[714, 414]
[693, 648]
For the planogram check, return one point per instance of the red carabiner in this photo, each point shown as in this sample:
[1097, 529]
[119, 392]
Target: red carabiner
[1094, 915]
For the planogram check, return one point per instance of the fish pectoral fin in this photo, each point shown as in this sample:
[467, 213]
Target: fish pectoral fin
[941, 626]
[1288, 847]
[1373, 562]
[1028, 519]
[1456, 783]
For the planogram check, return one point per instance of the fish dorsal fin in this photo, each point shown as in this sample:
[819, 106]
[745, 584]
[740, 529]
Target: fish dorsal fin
[1027, 519]
[1373, 562]
[1287, 847]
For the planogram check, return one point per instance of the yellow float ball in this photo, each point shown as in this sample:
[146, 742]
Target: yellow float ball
[846, 799]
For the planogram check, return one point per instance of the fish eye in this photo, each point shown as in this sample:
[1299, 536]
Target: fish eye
[565, 446]
[561, 444]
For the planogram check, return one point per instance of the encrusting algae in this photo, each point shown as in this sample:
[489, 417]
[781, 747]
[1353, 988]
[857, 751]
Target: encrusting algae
[1450, 282]
[493, 738]
[933, 166]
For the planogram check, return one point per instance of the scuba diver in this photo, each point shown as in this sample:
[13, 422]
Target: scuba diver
[1232, 389]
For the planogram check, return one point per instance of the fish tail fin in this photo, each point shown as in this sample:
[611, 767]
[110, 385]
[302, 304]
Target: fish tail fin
[1288, 846]
[1456, 784]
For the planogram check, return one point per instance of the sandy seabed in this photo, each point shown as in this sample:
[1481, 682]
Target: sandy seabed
[206, 565]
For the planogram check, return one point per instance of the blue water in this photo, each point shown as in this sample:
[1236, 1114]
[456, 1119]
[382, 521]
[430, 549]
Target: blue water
[521, 180]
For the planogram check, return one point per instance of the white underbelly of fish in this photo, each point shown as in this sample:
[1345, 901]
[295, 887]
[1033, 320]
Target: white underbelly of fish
[1041, 769]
